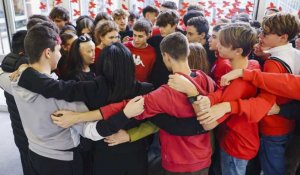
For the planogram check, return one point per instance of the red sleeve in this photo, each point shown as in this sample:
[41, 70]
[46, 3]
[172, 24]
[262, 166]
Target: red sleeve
[256, 108]
[111, 109]
[215, 97]
[158, 101]
[275, 83]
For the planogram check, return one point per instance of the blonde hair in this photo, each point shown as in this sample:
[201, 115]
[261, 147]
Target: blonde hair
[198, 58]
[102, 28]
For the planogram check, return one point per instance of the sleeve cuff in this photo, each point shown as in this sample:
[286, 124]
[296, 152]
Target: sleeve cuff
[234, 107]
[248, 75]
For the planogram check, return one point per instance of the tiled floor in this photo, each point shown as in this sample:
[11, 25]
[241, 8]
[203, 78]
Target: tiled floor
[10, 163]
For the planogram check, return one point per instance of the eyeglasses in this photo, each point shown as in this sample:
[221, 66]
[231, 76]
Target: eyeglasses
[84, 38]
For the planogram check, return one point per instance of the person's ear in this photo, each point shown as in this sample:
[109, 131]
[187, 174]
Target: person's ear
[202, 35]
[284, 37]
[238, 51]
[47, 52]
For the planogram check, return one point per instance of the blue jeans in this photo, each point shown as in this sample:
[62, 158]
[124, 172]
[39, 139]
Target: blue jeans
[231, 165]
[272, 154]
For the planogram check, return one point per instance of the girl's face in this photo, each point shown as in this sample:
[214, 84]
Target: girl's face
[68, 44]
[87, 51]
[110, 38]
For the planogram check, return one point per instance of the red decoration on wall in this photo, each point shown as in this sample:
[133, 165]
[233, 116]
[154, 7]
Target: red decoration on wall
[280, 8]
[141, 0]
[271, 5]
[92, 5]
[92, 14]
[201, 3]
[74, 1]
[247, 10]
[226, 3]
[181, 12]
[76, 12]
[299, 13]
[124, 7]
[249, 4]
[108, 11]
[206, 13]
[109, 2]
[237, 3]
[219, 11]
[140, 10]
[185, 5]
[57, 2]
[211, 4]
[157, 4]
[43, 6]
[213, 22]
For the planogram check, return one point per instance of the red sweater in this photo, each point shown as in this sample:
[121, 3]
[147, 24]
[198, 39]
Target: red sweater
[275, 83]
[237, 136]
[144, 59]
[221, 67]
[179, 153]
[97, 54]
[155, 31]
[272, 125]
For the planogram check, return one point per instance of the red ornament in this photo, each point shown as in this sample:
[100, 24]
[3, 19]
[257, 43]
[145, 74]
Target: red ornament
[109, 2]
[124, 7]
[57, 2]
[140, 10]
[201, 3]
[211, 4]
[92, 14]
[76, 12]
[299, 13]
[249, 4]
[237, 2]
[108, 11]
[141, 0]
[247, 10]
[74, 1]
[219, 11]
[271, 5]
[92, 5]
[43, 6]
[226, 3]
[185, 5]
[206, 13]
[214, 22]
[280, 8]
[181, 12]
[157, 4]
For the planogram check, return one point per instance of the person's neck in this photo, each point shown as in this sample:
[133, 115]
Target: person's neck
[42, 68]
[280, 44]
[101, 46]
[202, 41]
[86, 68]
[239, 62]
[182, 67]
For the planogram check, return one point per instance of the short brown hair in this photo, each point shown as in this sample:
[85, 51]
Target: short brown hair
[118, 13]
[60, 13]
[238, 35]
[198, 58]
[143, 25]
[167, 17]
[102, 28]
[176, 45]
[280, 24]
[39, 37]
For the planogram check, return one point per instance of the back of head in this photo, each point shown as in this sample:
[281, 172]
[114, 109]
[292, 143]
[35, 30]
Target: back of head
[150, 9]
[218, 27]
[103, 28]
[84, 22]
[143, 25]
[59, 13]
[242, 17]
[190, 14]
[117, 66]
[238, 35]
[281, 24]
[42, 17]
[200, 23]
[34, 19]
[133, 15]
[169, 5]
[119, 13]
[38, 38]
[102, 16]
[195, 7]
[176, 45]
[18, 42]
[198, 58]
[167, 17]
[68, 28]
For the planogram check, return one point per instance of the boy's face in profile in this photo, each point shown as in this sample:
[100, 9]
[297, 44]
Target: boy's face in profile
[226, 52]
[192, 34]
[213, 41]
[151, 16]
[166, 30]
[54, 56]
[269, 40]
[140, 39]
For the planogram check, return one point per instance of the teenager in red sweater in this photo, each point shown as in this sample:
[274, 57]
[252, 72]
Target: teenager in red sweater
[278, 29]
[238, 138]
[222, 65]
[179, 154]
[143, 54]
[106, 33]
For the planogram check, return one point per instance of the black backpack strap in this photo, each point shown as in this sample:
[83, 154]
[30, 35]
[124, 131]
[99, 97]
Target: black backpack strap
[284, 64]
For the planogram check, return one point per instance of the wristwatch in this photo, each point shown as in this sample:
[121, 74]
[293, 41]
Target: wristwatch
[192, 99]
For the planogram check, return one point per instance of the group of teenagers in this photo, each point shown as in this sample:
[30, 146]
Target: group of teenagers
[118, 95]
